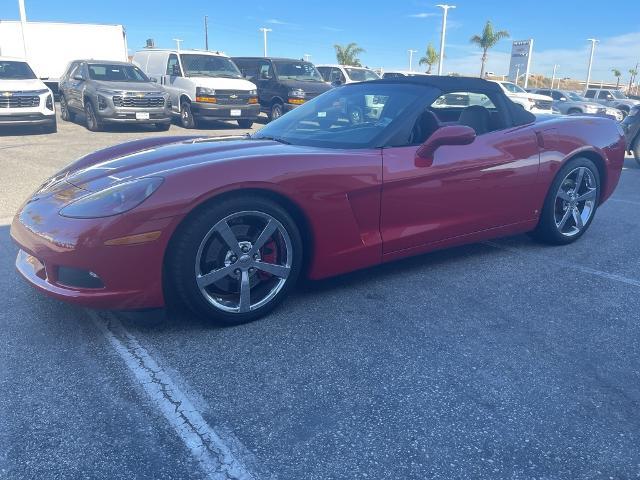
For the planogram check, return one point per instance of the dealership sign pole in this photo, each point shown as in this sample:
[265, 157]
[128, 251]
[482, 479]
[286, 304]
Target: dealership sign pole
[521, 51]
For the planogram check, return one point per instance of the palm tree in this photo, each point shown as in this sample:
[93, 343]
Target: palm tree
[633, 72]
[488, 40]
[617, 73]
[430, 58]
[349, 55]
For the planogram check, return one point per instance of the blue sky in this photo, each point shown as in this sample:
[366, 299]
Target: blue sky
[386, 29]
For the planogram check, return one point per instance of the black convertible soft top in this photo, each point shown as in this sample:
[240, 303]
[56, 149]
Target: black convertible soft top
[446, 84]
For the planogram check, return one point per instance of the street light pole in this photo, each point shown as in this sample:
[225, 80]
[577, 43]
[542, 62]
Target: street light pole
[206, 32]
[264, 32]
[553, 78]
[411, 52]
[178, 42]
[445, 10]
[593, 48]
[307, 56]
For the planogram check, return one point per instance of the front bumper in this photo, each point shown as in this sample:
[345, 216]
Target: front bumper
[208, 111]
[24, 118]
[130, 275]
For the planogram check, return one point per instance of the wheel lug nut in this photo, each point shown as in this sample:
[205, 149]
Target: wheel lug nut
[233, 258]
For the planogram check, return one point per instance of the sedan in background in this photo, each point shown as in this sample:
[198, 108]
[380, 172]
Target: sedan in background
[229, 225]
[531, 102]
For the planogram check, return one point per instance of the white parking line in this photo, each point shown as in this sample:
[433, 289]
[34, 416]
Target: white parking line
[205, 445]
[579, 268]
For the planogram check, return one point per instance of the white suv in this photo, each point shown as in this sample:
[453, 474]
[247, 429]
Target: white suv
[24, 98]
[532, 102]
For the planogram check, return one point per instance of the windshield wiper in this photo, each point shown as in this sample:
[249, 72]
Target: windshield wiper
[275, 139]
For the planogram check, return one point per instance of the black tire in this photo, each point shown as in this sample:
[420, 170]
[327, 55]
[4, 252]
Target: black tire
[635, 149]
[91, 119]
[547, 231]
[245, 123]
[66, 114]
[187, 120]
[183, 255]
[277, 110]
[162, 127]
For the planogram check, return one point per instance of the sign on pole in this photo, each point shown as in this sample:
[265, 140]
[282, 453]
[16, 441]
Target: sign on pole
[521, 51]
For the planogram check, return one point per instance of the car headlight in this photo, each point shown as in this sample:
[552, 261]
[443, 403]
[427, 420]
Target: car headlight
[49, 102]
[297, 93]
[253, 93]
[40, 92]
[205, 92]
[113, 200]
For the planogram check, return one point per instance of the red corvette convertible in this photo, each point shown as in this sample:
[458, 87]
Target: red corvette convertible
[363, 174]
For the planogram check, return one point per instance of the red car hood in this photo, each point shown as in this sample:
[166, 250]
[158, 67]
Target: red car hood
[162, 160]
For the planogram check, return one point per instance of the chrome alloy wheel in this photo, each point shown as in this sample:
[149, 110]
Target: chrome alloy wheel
[243, 261]
[575, 201]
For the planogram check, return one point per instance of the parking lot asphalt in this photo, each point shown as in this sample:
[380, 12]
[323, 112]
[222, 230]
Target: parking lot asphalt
[504, 359]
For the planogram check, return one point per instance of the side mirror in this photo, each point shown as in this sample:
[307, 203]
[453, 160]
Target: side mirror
[175, 71]
[153, 79]
[44, 78]
[336, 83]
[264, 76]
[448, 135]
[78, 77]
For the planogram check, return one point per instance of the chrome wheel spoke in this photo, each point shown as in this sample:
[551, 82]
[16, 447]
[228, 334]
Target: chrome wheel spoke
[564, 219]
[212, 277]
[577, 218]
[281, 271]
[229, 237]
[265, 235]
[245, 293]
[564, 195]
[579, 179]
[590, 195]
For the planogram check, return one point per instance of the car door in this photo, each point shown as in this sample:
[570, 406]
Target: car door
[468, 188]
[76, 86]
[605, 97]
[171, 81]
[266, 83]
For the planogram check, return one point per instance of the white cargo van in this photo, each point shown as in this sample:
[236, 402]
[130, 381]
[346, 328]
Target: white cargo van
[203, 85]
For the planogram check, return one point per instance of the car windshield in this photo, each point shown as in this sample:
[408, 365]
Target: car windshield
[361, 74]
[292, 70]
[513, 88]
[196, 65]
[618, 94]
[116, 73]
[574, 96]
[10, 70]
[353, 116]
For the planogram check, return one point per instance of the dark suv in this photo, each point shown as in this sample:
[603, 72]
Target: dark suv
[283, 83]
[112, 92]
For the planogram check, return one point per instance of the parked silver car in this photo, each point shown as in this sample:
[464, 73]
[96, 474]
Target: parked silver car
[611, 97]
[112, 92]
[570, 103]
